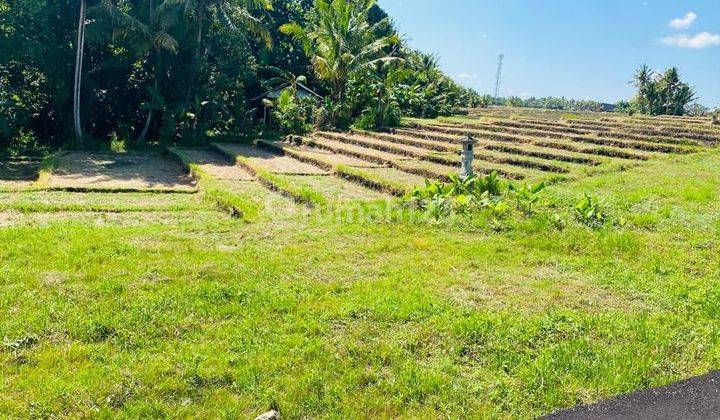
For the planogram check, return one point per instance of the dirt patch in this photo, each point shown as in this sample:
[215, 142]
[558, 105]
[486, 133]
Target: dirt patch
[18, 173]
[338, 189]
[333, 158]
[78, 170]
[217, 165]
[274, 163]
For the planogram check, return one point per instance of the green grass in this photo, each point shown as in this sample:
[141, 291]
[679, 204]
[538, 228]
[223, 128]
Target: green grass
[324, 317]
[41, 201]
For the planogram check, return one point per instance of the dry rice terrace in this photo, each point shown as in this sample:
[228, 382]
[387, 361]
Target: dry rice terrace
[534, 146]
[334, 168]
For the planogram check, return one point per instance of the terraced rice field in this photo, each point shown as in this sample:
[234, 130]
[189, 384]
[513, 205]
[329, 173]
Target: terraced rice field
[340, 167]
[278, 179]
[98, 189]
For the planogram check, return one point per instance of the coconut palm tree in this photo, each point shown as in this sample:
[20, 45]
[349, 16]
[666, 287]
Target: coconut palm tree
[341, 42]
[643, 78]
[80, 49]
[669, 84]
[683, 96]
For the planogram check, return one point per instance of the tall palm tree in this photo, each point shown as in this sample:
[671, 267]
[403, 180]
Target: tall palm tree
[643, 78]
[80, 50]
[425, 63]
[341, 42]
[683, 96]
[670, 83]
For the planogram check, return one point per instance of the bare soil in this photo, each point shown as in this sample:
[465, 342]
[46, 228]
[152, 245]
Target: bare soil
[119, 172]
[218, 165]
[274, 163]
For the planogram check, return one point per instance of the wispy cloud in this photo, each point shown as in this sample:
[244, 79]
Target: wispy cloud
[684, 22]
[467, 76]
[697, 41]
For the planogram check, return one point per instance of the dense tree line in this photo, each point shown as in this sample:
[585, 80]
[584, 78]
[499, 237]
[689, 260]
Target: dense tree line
[186, 71]
[547, 102]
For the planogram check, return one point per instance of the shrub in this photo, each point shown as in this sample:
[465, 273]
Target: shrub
[290, 114]
[463, 195]
[526, 196]
[589, 211]
[477, 186]
[372, 118]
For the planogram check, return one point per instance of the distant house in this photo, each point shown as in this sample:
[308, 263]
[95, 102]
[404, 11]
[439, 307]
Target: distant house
[302, 92]
[608, 107]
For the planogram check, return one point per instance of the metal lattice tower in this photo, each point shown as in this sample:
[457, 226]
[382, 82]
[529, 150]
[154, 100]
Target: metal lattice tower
[497, 78]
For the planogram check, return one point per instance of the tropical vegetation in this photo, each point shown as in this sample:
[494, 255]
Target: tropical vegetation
[661, 94]
[171, 72]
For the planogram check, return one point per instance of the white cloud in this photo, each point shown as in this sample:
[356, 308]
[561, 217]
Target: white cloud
[467, 76]
[697, 41]
[683, 22]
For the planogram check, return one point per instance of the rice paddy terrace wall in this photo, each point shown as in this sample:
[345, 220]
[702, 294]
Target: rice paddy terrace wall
[522, 144]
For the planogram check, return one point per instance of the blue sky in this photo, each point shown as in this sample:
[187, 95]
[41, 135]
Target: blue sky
[583, 49]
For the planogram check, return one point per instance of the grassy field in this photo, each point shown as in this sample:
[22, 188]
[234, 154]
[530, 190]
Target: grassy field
[152, 305]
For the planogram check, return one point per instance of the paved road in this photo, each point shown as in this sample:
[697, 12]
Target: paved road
[696, 398]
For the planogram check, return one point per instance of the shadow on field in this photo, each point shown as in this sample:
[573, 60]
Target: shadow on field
[18, 170]
[119, 171]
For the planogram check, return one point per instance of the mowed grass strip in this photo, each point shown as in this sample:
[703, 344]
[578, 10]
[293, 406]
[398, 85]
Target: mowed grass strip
[610, 138]
[350, 168]
[75, 216]
[265, 165]
[492, 137]
[206, 167]
[59, 201]
[698, 134]
[436, 168]
[658, 129]
[448, 143]
[485, 163]
[618, 129]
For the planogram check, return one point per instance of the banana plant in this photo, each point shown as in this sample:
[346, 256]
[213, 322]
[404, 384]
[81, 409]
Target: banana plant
[589, 211]
[526, 196]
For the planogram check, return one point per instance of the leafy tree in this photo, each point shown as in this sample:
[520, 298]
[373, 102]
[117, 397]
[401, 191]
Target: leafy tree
[182, 71]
